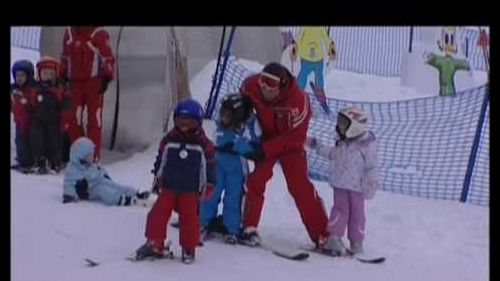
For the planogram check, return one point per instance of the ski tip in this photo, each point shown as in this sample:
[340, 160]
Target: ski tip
[91, 263]
[296, 257]
[370, 259]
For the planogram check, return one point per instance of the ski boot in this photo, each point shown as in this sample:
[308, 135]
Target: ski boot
[216, 226]
[42, 166]
[151, 251]
[250, 237]
[230, 239]
[187, 256]
[335, 247]
[356, 248]
[127, 200]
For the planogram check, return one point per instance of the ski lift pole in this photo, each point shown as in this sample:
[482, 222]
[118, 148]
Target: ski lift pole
[117, 101]
[223, 69]
[214, 80]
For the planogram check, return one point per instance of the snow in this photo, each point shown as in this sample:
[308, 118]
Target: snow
[422, 239]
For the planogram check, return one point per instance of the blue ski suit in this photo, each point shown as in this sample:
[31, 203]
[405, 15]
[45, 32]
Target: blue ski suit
[89, 181]
[231, 169]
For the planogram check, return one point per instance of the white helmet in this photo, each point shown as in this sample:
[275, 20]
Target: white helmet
[358, 120]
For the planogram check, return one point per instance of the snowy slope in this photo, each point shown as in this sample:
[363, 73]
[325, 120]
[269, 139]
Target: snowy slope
[440, 240]
[422, 239]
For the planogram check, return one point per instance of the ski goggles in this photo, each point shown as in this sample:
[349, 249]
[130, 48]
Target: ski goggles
[269, 81]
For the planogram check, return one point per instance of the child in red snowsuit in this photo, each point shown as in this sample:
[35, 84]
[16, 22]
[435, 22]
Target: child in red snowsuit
[20, 91]
[184, 168]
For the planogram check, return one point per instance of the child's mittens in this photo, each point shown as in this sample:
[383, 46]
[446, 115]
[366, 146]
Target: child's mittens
[68, 199]
[228, 148]
[143, 195]
[155, 189]
[82, 189]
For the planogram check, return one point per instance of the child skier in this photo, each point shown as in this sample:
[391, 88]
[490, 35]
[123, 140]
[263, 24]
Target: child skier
[238, 133]
[354, 178]
[85, 180]
[184, 168]
[20, 92]
[49, 101]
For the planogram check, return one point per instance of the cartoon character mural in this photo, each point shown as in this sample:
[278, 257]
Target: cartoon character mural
[286, 36]
[310, 47]
[447, 64]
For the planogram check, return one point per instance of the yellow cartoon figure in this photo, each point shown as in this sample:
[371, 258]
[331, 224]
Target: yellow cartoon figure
[310, 47]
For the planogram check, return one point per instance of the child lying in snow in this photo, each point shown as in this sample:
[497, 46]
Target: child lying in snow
[85, 180]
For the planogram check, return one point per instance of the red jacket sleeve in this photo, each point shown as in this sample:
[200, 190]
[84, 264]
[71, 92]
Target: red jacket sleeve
[296, 136]
[102, 42]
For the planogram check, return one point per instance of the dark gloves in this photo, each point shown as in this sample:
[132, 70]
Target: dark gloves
[257, 156]
[68, 199]
[82, 189]
[143, 194]
[294, 52]
[156, 187]
[64, 80]
[105, 83]
[226, 148]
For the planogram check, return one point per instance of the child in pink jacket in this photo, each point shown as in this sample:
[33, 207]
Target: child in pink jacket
[353, 177]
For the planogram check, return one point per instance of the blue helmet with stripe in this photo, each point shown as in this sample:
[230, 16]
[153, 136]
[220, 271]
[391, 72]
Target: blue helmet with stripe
[189, 108]
[26, 66]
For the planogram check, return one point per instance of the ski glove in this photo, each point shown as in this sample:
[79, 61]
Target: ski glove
[82, 189]
[105, 83]
[225, 148]
[68, 199]
[332, 52]
[156, 187]
[257, 156]
[293, 53]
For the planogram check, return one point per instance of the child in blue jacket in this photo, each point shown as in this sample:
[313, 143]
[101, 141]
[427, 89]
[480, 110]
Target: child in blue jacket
[238, 135]
[85, 180]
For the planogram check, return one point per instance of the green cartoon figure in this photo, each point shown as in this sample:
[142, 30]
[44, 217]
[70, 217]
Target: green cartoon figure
[447, 65]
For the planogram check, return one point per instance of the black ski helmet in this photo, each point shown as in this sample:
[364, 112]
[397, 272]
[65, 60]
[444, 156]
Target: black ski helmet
[239, 106]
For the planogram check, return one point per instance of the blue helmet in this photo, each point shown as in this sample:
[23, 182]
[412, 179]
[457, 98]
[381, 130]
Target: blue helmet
[189, 108]
[26, 66]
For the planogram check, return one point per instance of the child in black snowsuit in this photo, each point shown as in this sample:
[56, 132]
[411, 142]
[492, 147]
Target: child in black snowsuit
[49, 101]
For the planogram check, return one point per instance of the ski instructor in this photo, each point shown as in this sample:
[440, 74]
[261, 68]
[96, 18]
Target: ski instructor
[88, 64]
[283, 111]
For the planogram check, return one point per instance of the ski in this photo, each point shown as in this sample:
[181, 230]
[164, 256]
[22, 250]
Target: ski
[168, 255]
[323, 104]
[91, 263]
[296, 255]
[287, 254]
[359, 257]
